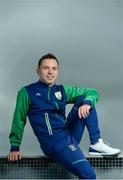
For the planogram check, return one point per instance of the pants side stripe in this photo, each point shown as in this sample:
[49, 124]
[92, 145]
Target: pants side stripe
[79, 161]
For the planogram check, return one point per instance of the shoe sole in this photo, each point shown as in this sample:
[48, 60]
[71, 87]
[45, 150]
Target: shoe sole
[103, 154]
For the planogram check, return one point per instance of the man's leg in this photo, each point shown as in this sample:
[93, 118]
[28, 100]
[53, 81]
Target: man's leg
[77, 125]
[68, 153]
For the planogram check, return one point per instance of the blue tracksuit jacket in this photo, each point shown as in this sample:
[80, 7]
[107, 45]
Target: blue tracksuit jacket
[45, 107]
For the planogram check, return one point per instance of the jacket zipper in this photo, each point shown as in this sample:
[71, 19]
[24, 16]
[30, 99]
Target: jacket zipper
[48, 124]
[49, 89]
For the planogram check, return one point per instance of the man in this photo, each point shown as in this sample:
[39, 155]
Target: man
[59, 137]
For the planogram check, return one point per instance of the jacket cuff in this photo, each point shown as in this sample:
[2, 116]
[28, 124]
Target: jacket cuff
[14, 148]
[87, 102]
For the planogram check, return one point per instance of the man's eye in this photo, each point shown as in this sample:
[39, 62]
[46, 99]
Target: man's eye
[55, 68]
[45, 67]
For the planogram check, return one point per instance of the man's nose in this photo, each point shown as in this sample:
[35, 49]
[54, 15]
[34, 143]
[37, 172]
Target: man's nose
[50, 71]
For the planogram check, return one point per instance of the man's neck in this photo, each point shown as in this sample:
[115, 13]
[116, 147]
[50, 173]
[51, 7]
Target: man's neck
[46, 83]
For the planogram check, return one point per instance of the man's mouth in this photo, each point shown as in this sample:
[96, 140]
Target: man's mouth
[50, 77]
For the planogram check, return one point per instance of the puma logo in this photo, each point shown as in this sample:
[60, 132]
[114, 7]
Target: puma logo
[38, 94]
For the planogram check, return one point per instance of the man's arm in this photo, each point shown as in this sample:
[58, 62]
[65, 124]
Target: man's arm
[19, 121]
[91, 96]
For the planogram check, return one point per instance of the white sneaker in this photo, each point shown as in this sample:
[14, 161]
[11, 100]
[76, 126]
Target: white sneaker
[100, 148]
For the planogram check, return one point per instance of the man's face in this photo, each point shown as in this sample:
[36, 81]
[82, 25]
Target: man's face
[48, 71]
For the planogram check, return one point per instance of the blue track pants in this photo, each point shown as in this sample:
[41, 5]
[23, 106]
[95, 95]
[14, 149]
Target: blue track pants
[67, 152]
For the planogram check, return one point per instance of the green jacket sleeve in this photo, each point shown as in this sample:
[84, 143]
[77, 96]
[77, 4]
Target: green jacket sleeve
[89, 94]
[19, 118]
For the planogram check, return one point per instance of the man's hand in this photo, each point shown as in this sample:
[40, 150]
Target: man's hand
[83, 111]
[14, 156]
